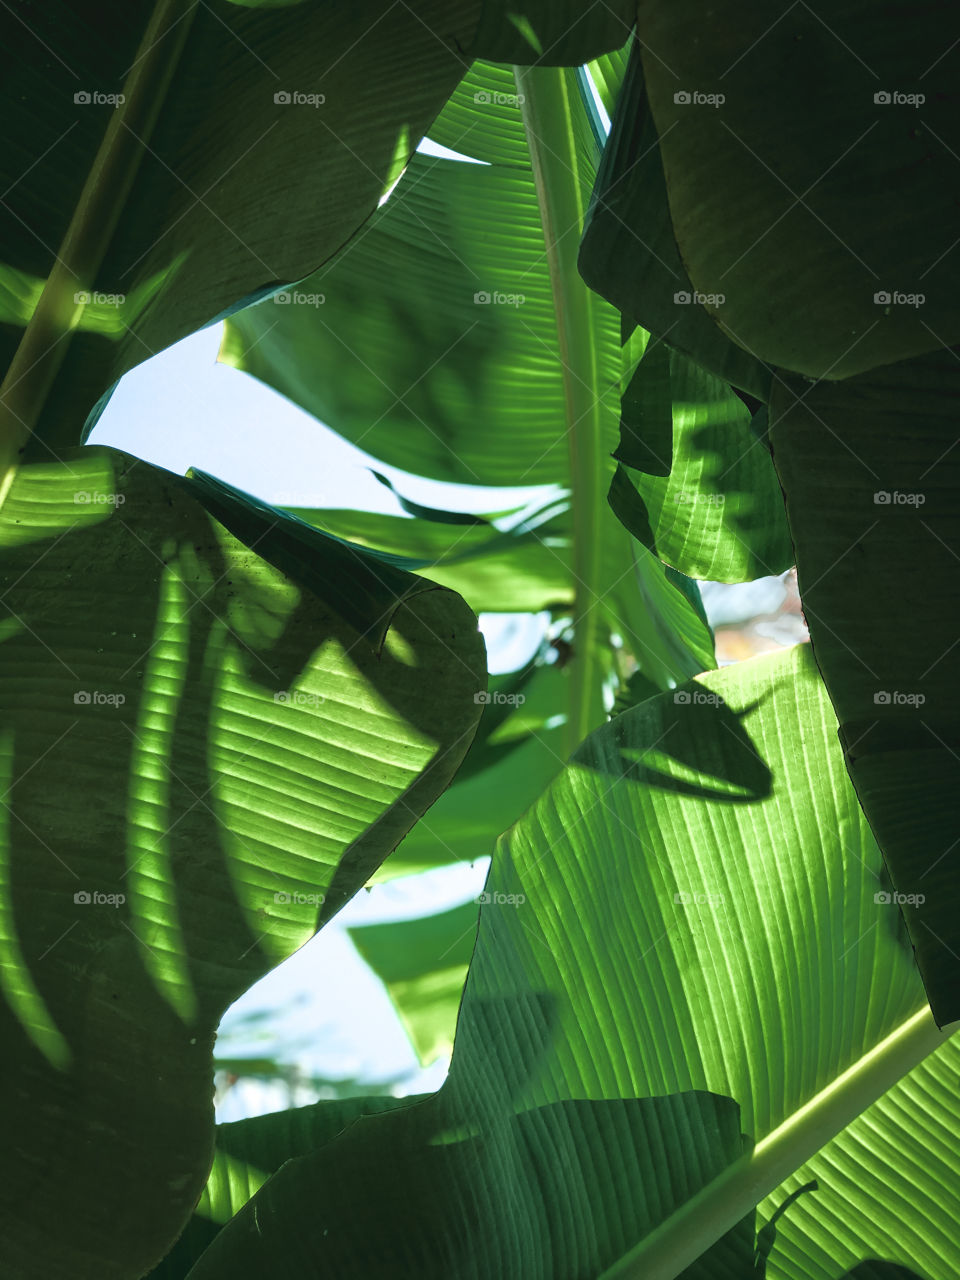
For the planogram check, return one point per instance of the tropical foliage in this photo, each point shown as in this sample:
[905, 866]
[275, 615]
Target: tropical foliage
[687, 277]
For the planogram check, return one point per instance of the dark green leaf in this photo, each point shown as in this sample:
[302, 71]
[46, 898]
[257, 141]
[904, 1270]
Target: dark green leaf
[202, 762]
[551, 33]
[191, 210]
[870, 472]
[811, 166]
[629, 253]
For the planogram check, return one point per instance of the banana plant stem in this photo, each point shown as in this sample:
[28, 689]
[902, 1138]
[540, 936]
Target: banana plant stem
[547, 104]
[43, 347]
[698, 1224]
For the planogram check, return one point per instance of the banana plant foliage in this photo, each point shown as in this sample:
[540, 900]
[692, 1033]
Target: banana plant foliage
[463, 373]
[689, 1016]
[634, 1029]
[205, 755]
[834, 271]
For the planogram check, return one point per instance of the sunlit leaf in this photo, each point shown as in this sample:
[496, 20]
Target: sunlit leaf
[202, 762]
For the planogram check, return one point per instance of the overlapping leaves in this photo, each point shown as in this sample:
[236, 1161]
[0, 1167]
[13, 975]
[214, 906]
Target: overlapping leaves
[632, 982]
[203, 760]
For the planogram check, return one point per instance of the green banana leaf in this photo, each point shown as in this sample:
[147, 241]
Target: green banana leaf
[202, 761]
[870, 472]
[629, 252]
[607, 73]
[149, 217]
[696, 892]
[440, 327]
[510, 762]
[552, 33]
[821, 261]
[825, 217]
[523, 568]
[478, 351]
[710, 502]
[466, 373]
[889, 1188]
[248, 1152]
